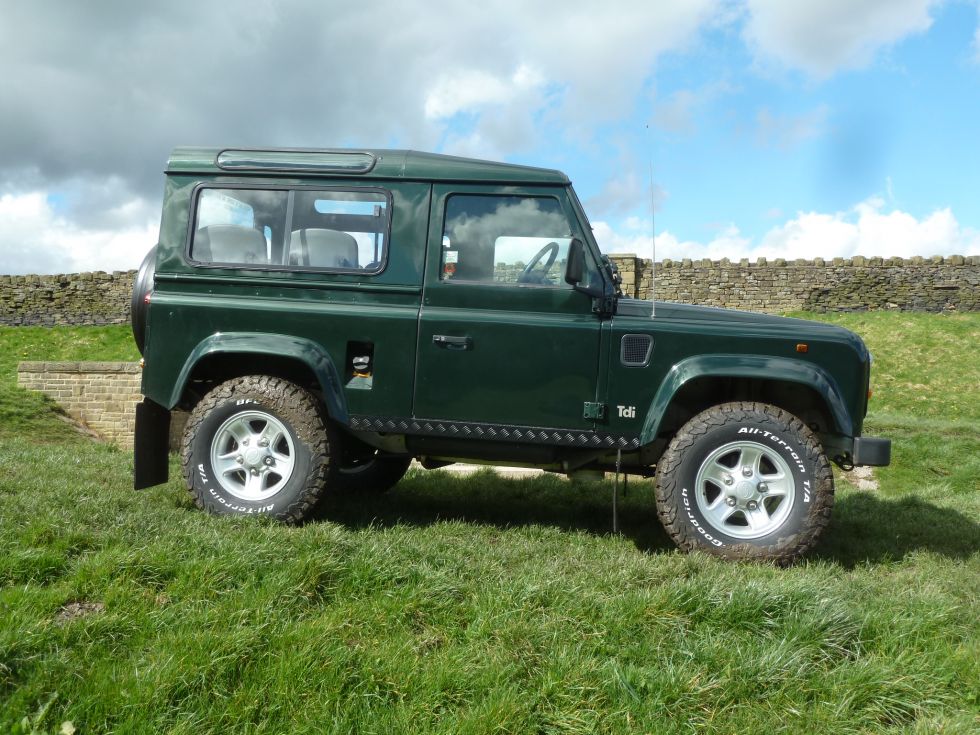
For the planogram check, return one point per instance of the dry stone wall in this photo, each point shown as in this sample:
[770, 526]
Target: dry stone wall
[75, 298]
[853, 284]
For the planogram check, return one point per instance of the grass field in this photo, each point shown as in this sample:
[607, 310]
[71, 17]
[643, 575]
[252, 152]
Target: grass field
[481, 604]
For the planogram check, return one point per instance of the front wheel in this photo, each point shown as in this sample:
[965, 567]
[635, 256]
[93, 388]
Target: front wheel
[745, 481]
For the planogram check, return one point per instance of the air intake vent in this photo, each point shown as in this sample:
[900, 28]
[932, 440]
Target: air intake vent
[635, 349]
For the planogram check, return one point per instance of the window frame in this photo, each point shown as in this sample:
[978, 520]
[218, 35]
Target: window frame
[288, 217]
[495, 283]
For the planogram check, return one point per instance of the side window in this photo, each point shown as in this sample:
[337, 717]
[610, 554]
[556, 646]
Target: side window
[338, 229]
[232, 225]
[505, 239]
[302, 229]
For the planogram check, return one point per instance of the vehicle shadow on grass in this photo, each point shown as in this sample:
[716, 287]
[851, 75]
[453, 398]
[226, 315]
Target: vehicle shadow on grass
[866, 528]
[506, 503]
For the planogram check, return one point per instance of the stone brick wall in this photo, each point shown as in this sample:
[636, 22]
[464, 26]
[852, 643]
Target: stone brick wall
[101, 395]
[76, 298]
[852, 284]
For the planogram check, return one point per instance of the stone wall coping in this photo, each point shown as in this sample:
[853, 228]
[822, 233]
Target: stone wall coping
[78, 367]
[858, 261]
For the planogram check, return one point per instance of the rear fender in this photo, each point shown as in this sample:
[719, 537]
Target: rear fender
[274, 345]
[746, 366]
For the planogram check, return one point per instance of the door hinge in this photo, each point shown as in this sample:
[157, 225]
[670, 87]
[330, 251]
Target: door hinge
[594, 410]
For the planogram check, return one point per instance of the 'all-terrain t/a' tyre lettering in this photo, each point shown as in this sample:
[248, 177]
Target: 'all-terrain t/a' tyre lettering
[258, 445]
[745, 481]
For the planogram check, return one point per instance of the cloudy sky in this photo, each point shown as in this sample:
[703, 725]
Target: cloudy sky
[776, 128]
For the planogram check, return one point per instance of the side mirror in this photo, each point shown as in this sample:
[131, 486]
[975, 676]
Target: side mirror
[575, 267]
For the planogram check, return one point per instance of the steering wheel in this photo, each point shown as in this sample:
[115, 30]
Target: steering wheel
[528, 275]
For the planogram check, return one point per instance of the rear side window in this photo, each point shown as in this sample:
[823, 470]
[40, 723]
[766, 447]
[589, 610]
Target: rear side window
[302, 229]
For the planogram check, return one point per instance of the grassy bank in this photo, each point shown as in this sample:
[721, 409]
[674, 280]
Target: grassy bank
[486, 604]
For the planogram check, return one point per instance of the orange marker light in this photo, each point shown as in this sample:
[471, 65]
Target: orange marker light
[870, 392]
[802, 347]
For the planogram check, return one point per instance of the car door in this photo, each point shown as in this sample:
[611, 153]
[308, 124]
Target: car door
[502, 338]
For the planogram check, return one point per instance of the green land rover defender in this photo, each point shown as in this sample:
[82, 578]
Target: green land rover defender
[326, 316]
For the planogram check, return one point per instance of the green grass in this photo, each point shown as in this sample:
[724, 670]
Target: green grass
[488, 604]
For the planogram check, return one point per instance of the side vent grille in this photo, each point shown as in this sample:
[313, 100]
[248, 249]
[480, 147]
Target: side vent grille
[635, 349]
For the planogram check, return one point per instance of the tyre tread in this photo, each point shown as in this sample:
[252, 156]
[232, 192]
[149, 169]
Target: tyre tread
[312, 422]
[786, 548]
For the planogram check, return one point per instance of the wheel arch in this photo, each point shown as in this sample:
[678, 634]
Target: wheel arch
[229, 355]
[700, 382]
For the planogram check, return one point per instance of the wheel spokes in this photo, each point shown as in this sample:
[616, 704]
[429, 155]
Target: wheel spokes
[751, 457]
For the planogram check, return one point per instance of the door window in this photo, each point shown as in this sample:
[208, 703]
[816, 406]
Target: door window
[506, 240]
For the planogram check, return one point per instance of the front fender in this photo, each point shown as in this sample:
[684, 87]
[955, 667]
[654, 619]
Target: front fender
[275, 345]
[746, 366]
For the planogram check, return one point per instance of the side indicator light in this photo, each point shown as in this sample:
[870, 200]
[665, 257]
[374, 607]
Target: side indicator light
[802, 347]
[146, 299]
[142, 363]
[870, 393]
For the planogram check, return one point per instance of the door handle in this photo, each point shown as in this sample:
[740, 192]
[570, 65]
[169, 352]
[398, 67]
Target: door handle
[452, 343]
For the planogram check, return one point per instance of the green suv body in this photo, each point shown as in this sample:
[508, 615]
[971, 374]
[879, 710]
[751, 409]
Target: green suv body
[326, 316]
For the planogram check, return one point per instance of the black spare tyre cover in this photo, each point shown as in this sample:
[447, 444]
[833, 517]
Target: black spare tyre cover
[137, 304]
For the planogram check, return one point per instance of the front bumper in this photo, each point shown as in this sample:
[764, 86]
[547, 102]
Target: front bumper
[869, 450]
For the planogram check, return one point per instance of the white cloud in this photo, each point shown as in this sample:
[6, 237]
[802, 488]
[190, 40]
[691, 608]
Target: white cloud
[788, 131]
[626, 192]
[867, 229]
[469, 90]
[35, 238]
[824, 36]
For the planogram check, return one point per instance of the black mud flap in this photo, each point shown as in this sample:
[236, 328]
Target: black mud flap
[151, 445]
[871, 451]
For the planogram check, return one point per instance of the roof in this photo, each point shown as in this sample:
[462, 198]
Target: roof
[355, 163]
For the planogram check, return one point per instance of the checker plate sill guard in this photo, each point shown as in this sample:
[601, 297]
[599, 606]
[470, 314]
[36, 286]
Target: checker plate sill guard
[494, 432]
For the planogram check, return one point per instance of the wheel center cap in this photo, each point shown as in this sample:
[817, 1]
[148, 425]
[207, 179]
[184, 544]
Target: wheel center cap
[745, 490]
[253, 456]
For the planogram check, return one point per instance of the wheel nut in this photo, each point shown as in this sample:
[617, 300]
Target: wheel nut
[747, 471]
[731, 500]
[240, 459]
[255, 471]
[263, 442]
[751, 505]
[763, 487]
[268, 461]
[728, 480]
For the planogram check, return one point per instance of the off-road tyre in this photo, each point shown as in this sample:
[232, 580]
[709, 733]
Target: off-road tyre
[784, 439]
[311, 440]
[374, 475]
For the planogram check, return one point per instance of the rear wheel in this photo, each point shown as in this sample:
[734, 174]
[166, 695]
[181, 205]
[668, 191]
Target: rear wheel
[745, 481]
[258, 444]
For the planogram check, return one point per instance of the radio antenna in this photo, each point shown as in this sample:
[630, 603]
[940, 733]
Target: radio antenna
[653, 229]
